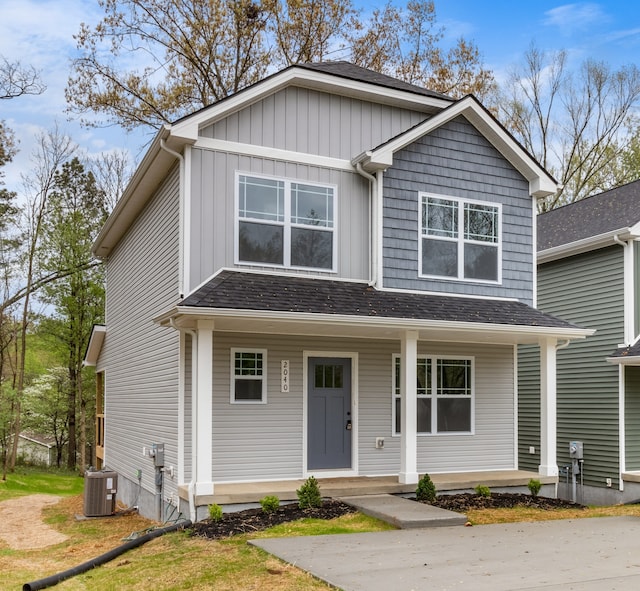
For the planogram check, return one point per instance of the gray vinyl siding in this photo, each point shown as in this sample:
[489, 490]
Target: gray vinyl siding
[141, 389]
[212, 231]
[265, 441]
[586, 290]
[632, 418]
[312, 122]
[456, 160]
[528, 407]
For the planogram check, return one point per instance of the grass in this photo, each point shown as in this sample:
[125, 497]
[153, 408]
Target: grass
[177, 562]
[30, 481]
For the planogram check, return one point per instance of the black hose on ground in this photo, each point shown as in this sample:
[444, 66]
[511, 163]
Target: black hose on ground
[103, 558]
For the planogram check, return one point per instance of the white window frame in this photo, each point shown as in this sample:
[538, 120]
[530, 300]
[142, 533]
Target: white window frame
[433, 395]
[460, 239]
[234, 377]
[287, 224]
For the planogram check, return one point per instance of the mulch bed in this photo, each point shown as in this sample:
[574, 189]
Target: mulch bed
[254, 520]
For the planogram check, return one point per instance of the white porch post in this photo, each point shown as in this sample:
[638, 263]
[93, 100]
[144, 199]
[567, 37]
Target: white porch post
[409, 418]
[202, 418]
[548, 460]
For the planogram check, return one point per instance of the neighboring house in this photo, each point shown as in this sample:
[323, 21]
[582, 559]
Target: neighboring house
[589, 273]
[327, 273]
[37, 449]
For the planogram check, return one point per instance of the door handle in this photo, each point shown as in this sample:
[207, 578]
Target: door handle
[348, 427]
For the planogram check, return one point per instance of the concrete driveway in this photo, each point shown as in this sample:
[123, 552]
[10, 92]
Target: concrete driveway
[582, 554]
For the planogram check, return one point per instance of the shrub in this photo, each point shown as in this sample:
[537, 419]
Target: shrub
[309, 494]
[426, 491]
[270, 503]
[215, 512]
[534, 487]
[482, 490]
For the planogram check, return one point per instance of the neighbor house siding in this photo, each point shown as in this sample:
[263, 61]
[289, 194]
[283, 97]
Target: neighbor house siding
[312, 122]
[456, 160]
[265, 441]
[632, 418]
[141, 390]
[586, 290]
[212, 237]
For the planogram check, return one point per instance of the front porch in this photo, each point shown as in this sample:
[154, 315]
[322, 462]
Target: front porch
[251, 492]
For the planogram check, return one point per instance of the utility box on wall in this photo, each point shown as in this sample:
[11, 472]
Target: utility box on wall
[100, 490]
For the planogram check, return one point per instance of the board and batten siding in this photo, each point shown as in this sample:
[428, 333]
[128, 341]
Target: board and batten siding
[212, 229]
[456, 160]
[265, 441]
[313, 122]
[586, 290]
[141, 358]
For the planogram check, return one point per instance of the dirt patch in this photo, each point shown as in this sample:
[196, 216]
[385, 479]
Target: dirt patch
[22, 526]
[253, 520]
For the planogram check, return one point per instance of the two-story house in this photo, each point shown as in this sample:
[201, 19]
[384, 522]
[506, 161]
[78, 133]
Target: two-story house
[327, 273]
[589, 273]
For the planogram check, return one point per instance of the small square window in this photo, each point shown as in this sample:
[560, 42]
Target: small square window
[248, 376]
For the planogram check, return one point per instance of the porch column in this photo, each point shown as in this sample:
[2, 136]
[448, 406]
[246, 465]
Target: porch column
[409, 417]
[548, 460]
[202, 417]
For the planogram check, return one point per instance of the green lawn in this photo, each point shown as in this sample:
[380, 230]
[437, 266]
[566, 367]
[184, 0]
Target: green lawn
[30, 481]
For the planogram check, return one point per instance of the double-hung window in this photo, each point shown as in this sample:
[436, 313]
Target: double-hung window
[460, 239]
[248, 376]
[444, 395]
[285, 223]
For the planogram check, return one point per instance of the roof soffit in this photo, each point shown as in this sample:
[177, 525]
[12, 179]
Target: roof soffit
[541, 184]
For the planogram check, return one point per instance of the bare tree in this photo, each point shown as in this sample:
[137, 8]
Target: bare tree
[572, 122]
[16, 79]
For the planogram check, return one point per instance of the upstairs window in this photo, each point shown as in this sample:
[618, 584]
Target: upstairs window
[285, 223]
[460, 239]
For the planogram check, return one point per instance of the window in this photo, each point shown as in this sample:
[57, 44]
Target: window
[445, 391]
[460, 239]
[285, 223]
[248, 376]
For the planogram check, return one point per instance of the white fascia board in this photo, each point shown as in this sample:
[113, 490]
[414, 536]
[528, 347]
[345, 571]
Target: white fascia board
[586, 244]
[190, 126]
[360, 321]
[541, 184]
[95, 345]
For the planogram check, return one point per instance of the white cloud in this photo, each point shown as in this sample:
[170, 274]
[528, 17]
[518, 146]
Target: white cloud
[571, 17]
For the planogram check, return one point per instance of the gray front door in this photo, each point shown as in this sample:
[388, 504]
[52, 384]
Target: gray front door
[329, 418]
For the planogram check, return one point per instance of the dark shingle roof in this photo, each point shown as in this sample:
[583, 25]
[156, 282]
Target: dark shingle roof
[254, 291]
[350, 71]
[612, 210]
[630, 351]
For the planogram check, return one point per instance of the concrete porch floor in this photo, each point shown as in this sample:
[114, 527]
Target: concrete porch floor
[285, 490]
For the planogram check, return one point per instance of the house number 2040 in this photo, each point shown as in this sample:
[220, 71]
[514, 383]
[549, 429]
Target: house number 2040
[284, 375]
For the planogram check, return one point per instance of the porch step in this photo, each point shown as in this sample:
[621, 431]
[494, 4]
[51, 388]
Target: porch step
[404, 513]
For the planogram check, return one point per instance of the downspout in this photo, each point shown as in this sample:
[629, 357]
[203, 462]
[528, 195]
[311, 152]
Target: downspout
[181, 232]
[194, 386]
[373, 226]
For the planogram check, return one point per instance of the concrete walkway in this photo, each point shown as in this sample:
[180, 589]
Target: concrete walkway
[600, 554]
[403, 513]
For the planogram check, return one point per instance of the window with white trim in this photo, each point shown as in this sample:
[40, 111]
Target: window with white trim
[248, 376]
[460, 239]
[444, 395]
[285, 223]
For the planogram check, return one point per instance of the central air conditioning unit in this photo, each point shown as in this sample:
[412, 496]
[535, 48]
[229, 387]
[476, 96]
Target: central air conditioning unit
[100, 490]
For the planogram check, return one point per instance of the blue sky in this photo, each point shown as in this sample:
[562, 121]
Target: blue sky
[40, 33]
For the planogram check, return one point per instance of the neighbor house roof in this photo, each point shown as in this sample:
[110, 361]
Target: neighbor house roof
[329, 304]
[589, 223]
